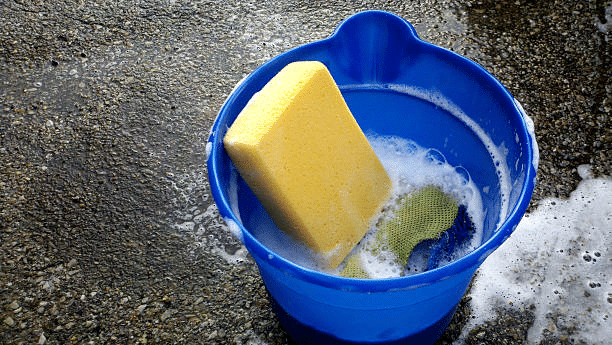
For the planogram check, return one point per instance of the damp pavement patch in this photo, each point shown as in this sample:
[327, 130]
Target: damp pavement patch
[105, 108]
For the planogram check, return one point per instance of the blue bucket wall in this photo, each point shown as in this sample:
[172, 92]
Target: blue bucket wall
[368, 55]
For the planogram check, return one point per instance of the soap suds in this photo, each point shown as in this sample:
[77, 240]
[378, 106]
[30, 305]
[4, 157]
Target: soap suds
[497, 154]
[531, 130]
[208, 149]
[558, 259]
[410, 168]
[234, 228]
[197, 218]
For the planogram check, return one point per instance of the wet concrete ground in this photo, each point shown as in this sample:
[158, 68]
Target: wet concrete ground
[108, 233]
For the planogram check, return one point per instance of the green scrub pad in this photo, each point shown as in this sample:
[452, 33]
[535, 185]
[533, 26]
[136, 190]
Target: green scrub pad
[419, 217]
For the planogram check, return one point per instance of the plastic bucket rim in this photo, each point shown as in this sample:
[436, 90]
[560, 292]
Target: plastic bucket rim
[473, 258]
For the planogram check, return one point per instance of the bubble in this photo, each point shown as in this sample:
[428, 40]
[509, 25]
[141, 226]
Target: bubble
[594, 285]
[435, 157]
[463, 174]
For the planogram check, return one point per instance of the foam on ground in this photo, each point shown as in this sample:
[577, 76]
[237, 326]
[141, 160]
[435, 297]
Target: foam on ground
[196, 218]
[558, 259]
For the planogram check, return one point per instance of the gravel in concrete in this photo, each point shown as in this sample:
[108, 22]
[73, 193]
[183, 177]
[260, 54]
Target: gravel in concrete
[108, 233]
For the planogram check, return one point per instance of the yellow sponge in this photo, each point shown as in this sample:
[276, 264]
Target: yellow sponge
[298, 147]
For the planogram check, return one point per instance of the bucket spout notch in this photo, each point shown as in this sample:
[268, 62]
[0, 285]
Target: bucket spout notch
[374, 49]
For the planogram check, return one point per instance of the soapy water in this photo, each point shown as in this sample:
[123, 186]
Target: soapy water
[559, 259]
[498, 153]
[262, 227]
[410, 167]
[428, 167]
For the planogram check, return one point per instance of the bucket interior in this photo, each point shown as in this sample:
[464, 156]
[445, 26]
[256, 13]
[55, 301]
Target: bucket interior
[427, 124]
[417, 91]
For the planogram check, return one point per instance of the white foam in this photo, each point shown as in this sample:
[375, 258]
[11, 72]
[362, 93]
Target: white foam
[584, 171]
[234, 229]
[531, 130]
[382, 265]
[496, 153]
[238, 257]
[201, 221]
[410, 168]
[208, 149]
[559, 259]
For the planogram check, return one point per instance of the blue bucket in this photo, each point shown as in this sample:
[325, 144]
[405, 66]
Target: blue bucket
[383, 70]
